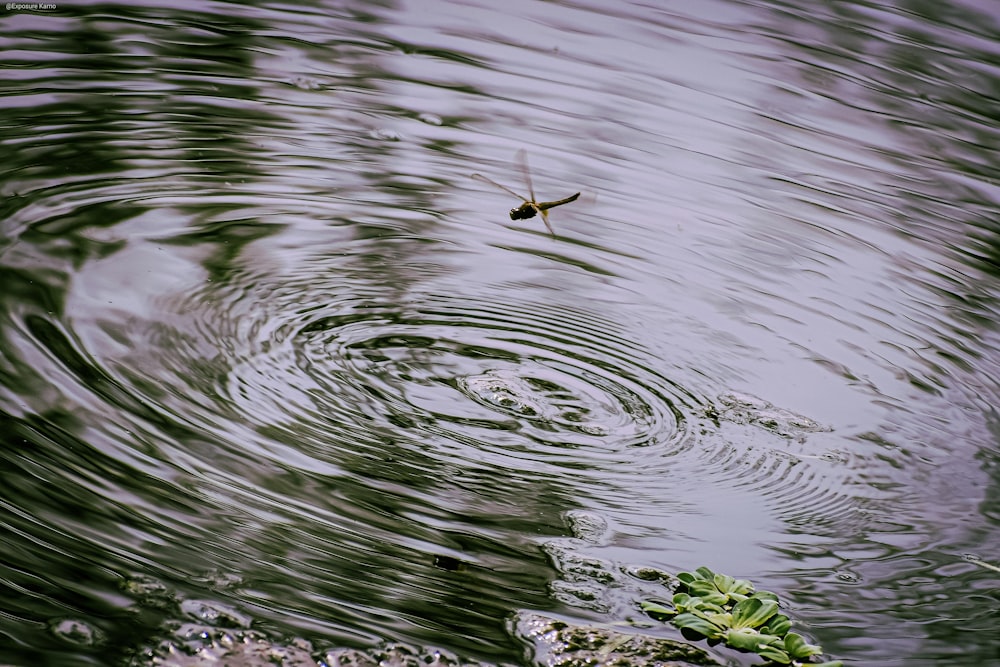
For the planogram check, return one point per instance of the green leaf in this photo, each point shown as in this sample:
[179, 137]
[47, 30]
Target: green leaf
[778, 625]
[798, 648]
[687, 577]
[702, 608]
[765, 595]
[701, 574]
[723, 582]
[655, 609]
[698, 624]
[767, 646]
[722, 620]
[714, 598]
[736, 597]
[745, 640]
[832, 663]
[741, 587]
[683, 601]
[753, 612]
[775, 654]
[736, 588]
[699, 588]
[706, 592]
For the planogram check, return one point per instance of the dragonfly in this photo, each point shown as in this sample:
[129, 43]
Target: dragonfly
[531, 207]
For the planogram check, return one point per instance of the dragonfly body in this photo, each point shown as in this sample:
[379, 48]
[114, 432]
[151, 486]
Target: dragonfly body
[530, 208]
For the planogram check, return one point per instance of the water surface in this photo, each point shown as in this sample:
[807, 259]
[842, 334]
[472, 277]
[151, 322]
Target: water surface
[271, 359]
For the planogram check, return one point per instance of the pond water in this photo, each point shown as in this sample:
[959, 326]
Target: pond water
[271, 359]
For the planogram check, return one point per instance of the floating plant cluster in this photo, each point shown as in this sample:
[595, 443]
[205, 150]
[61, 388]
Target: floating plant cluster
[722, 609]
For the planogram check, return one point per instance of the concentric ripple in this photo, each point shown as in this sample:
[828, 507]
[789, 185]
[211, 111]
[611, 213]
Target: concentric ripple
[548, 396]
[508, 379]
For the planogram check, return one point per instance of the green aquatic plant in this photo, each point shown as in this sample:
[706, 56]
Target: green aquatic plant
[726, 610]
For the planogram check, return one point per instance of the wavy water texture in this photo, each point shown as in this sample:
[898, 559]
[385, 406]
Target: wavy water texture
[272, 362]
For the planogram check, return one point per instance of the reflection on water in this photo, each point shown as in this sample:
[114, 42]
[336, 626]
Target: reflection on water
[270, 358]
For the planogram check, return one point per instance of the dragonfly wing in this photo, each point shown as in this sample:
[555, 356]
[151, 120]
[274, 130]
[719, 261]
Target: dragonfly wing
[522, 161]
[480, 177]
[545, 219]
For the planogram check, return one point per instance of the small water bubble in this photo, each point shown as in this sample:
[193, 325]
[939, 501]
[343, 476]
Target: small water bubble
[306, 83]
[849, 577]
[834, 456]
[430, 119]
[385, 134]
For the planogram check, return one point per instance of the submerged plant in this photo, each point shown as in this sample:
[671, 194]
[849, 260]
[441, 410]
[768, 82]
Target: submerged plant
[723, 609]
